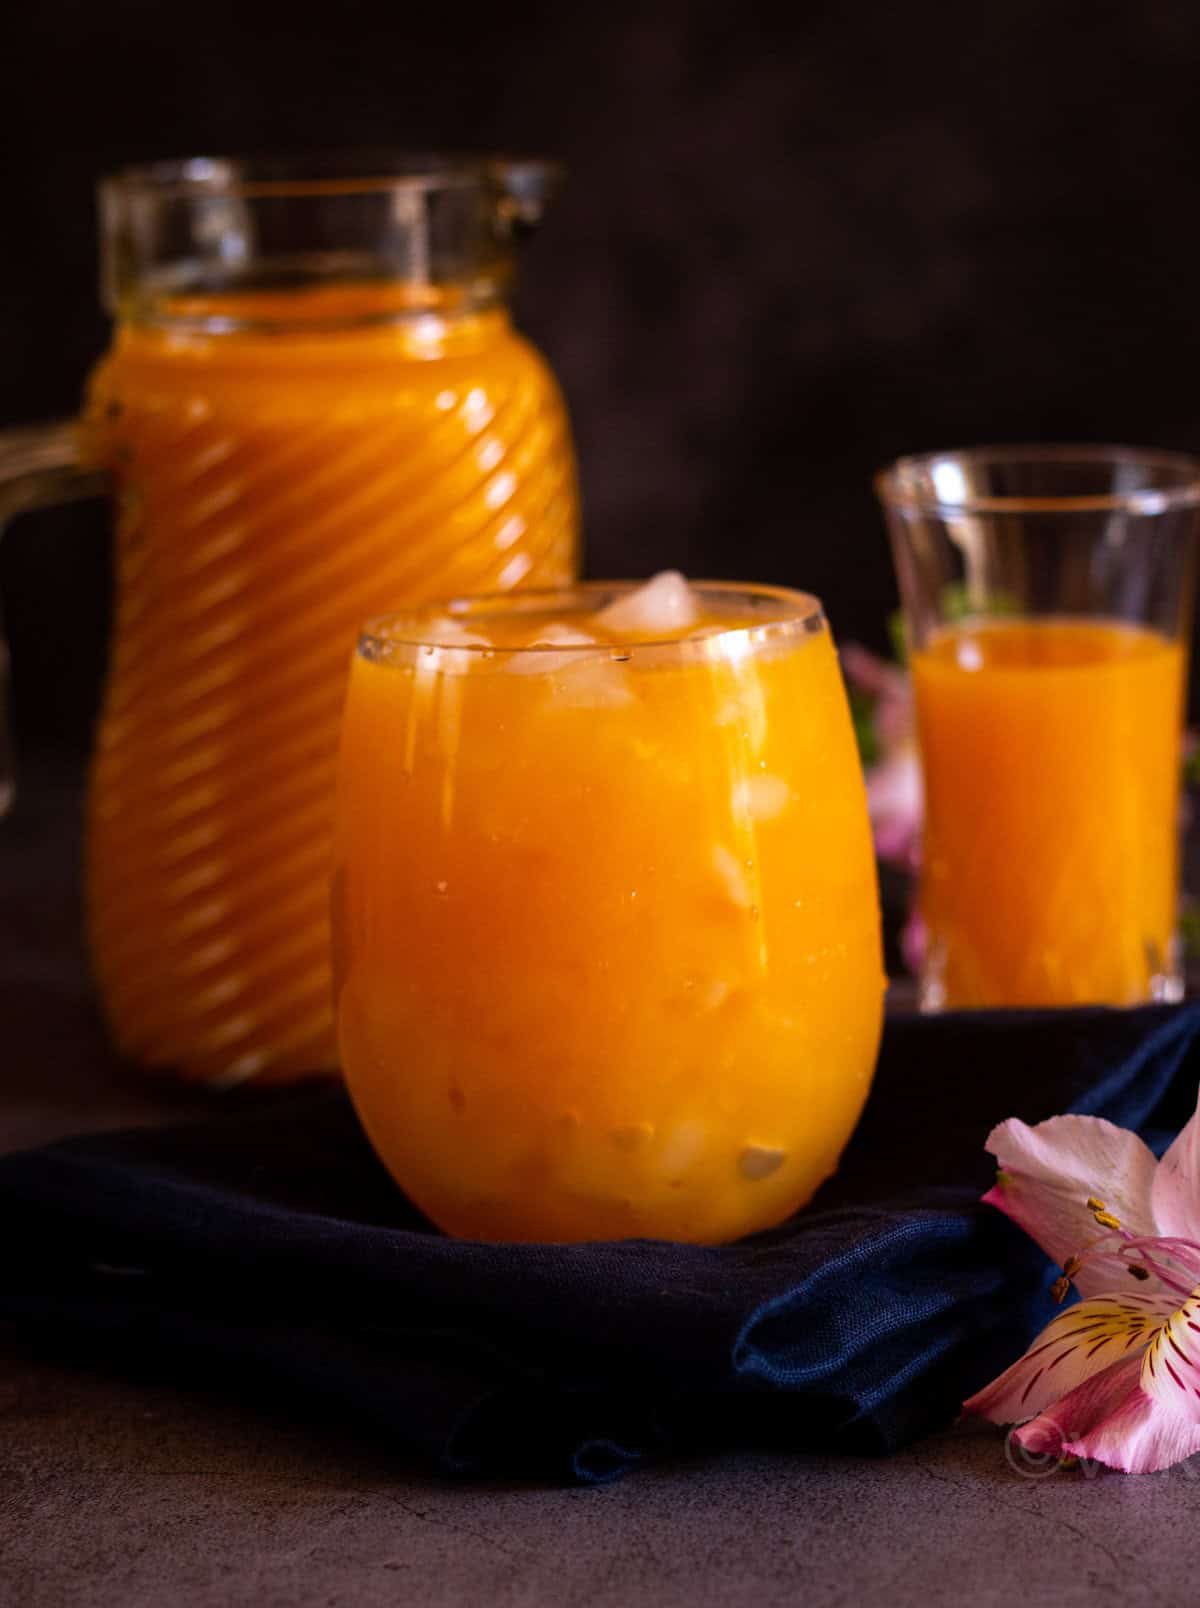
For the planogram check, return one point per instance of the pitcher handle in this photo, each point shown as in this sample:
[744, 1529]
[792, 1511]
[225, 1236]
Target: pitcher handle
[39, 465]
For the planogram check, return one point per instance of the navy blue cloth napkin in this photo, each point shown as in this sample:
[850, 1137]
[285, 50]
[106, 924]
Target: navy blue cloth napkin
[268, 1248]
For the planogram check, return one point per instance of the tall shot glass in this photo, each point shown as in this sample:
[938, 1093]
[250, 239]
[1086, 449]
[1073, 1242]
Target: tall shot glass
[1047, 596]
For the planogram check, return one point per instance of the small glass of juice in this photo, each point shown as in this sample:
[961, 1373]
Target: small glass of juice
[1047, 596]
[606, 925]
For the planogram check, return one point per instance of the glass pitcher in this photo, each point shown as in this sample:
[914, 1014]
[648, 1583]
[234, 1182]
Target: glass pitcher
[315, 408]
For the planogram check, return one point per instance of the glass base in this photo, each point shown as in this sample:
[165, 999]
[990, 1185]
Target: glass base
[1167, 980]
[931, 984]
[1165, 984]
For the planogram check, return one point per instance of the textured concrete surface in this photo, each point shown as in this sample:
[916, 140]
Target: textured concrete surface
[122, 1493]
[119, 1495]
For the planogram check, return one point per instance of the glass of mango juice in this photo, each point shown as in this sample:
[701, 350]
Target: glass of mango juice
[1047, 597]
[606, 926]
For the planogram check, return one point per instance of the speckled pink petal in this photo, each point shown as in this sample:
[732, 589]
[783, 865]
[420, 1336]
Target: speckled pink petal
[1082, 1342]
[1171, 1366]
[1113, 1419]
[1112, 1395]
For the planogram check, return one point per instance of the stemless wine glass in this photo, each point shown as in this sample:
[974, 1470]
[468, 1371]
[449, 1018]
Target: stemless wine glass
[607, 948]
[1047, 594]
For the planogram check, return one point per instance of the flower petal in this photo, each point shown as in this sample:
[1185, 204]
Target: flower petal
[1113, 1419]
[1171, 1365]
[1175, 1196]
[1049, 1172]
[1111, 1399]
[895, 804]
[1082, 1342]
[1138, 1439]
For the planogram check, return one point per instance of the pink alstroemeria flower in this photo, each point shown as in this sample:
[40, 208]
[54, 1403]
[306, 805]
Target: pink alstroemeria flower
[894, 794]
[1115, 1378]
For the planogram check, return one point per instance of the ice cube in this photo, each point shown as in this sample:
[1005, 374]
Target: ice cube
[745, 709]
[449, 633]
[732, 875]
[575, 677]
[681, 1147]
[705, 994]
[593, 681]
[564, 636]
[760, 1161]
[441, 655]
[664, 606]
[761, 797]
[543, 662]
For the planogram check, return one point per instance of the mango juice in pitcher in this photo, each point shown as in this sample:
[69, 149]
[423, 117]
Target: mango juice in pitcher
[315, 407]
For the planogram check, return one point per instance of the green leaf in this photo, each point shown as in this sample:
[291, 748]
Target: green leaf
[862, 712]
[898, 634]
[1189, 931]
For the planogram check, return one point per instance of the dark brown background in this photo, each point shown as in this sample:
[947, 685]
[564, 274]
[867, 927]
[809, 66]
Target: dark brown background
[795, 243]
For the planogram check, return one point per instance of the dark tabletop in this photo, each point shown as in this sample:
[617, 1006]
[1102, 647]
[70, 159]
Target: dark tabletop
[127, 1492]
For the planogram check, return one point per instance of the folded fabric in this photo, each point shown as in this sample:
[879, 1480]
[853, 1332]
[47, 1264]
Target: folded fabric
[267, 1249]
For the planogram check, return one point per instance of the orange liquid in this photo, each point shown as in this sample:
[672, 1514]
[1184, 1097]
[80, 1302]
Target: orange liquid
[608, 933]
[276, 487]
[1051, 752]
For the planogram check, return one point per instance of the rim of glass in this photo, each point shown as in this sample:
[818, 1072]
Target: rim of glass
[319, 173]
[385, 633]
[905, 484]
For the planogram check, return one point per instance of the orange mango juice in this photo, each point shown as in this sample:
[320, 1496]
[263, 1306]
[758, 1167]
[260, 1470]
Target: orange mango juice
[286, 464]
[606, 919]
[1051, 754]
